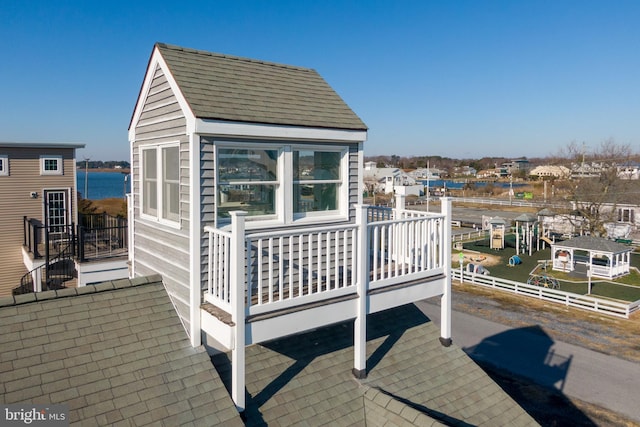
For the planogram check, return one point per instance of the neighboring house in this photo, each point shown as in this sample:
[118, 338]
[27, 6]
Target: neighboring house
[47, 244]
[629, 170]
[464, 171]
[247, 200]
[391, 181]
[426, 173]
[493, 173]
[516, 165]
[550, 171]
[586, 170]
[37, 181]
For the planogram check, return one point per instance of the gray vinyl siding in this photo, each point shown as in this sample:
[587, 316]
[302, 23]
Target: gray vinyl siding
[208, 194]
[161, 249]
[16, 202]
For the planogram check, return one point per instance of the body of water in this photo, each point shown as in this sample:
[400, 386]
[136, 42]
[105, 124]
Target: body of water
[103, 185]
[458, 185]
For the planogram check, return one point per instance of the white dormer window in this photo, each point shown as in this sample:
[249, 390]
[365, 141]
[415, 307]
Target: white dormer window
[51, 165]
[4, 165]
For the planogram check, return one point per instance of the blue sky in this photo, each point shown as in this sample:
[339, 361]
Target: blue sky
[461, 79]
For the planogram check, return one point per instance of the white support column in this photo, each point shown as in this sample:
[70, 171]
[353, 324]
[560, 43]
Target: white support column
[445, 303]
[237, 270]
[360, 324]
[195, 242]
[400, 204]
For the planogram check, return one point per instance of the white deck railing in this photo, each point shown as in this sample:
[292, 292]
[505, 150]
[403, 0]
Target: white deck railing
[405, 249]
[289, 268]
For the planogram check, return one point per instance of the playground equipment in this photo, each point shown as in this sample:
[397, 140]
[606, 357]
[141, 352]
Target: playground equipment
[526, 231]
[497, 227]
[543, 280]
[477, 269]
[514, 260]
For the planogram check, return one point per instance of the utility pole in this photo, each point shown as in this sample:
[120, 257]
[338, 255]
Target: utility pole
[510, 188]
[86, 177]
[428, 189]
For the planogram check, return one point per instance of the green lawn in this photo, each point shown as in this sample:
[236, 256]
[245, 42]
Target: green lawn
[568, 283]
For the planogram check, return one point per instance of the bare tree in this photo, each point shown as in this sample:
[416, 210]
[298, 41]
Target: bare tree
[596, 186]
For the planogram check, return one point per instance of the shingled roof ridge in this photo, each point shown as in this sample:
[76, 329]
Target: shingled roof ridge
[83, 290]
[232, 57]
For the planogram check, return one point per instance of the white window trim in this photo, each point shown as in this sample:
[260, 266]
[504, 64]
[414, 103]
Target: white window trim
[159, 184]
[4, 169]
[284, 189]
[59, 162]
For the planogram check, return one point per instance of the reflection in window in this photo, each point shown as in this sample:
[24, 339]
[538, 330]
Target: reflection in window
[316, 180]
[170, 183]
[248, 181]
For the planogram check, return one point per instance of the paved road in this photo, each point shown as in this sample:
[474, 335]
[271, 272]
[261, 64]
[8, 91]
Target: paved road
[531, 353]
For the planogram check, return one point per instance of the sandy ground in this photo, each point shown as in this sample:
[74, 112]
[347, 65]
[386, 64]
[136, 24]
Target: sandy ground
[486, 260]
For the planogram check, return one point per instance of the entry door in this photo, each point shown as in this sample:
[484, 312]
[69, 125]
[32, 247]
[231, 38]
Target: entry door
[56, 210]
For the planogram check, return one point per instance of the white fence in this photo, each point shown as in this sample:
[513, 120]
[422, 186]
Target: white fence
[584, 302]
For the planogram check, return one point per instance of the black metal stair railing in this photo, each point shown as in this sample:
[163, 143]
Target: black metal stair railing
[52, 275]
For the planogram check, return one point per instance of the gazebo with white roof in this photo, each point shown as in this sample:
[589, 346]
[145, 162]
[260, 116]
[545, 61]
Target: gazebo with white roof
[605, 257]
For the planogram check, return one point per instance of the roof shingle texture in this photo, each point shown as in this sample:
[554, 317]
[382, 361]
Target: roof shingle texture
[412, 379]
[116, 353]
[230, 88]
[595, 243]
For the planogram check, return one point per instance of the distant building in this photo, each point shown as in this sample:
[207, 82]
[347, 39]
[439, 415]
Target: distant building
[586, 170]
[426, 173]
[391, 180]
[629, 170]
[493, 173]
[464, 171]
[516, 165]
[553, 171]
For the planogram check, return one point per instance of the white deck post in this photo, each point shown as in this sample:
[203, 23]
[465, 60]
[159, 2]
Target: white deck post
[445, 306]
[400, 204]
[360, 324]
[237, 270]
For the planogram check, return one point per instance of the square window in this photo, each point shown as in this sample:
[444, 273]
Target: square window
[51, 165]
[4, 165]
[248, 181]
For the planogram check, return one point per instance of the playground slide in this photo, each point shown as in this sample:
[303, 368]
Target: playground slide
[546, 239]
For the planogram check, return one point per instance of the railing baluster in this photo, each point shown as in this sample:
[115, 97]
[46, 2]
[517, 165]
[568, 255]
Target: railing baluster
[259, 268]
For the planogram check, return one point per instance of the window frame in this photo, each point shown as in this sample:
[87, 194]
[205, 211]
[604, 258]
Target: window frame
[284, 215]
[59, 164]
[4, 165]
[160, 182]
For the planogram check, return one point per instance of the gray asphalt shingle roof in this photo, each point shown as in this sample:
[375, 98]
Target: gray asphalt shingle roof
[412, 379]
[595, 244]
[225, 87]
[116, 353]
